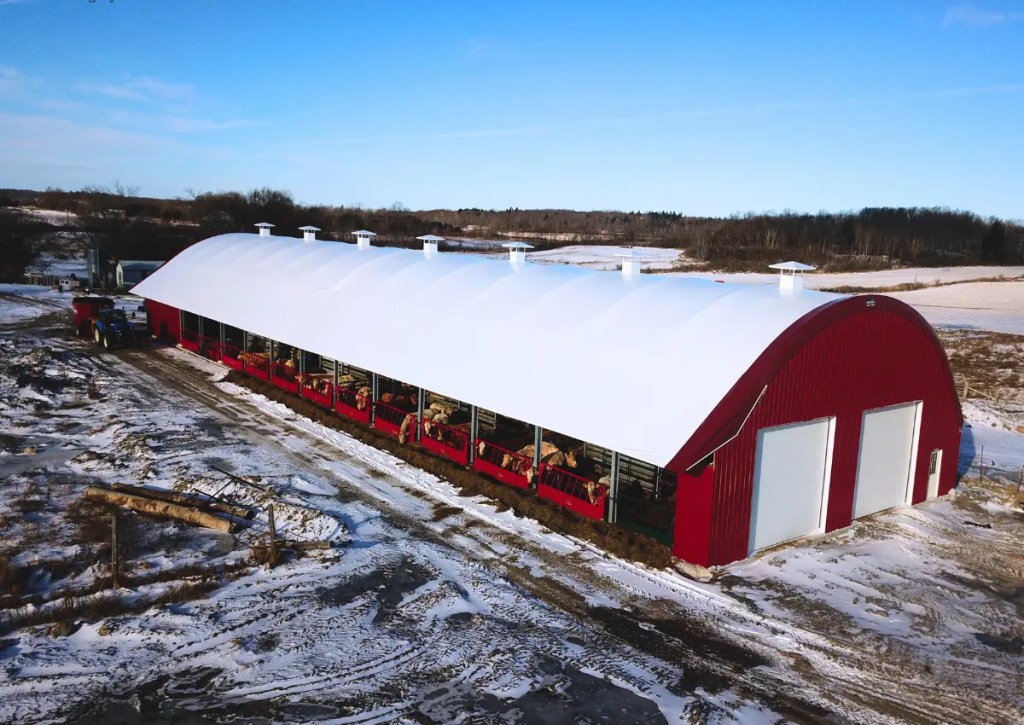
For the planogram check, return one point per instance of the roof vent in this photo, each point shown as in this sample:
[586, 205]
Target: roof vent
[363, 238]
[264, 228]
[430, 243]
[632, 262]
[517, 251]
[309, 233]
[791, 276]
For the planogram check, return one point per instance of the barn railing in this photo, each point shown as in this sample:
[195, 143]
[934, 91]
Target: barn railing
[446, 441]
[256, 364]
[574, 492]
[230, 356]
[318, 389]
[502, 464]
[284, 377]
[393, 421]
[190, 340]
[353, 405]
[209, 347]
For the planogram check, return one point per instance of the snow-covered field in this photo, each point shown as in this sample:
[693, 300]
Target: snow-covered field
[59, 267]
[878, 279]
[23, 302]
[604, 258]
[51, 216]
[590, 256]
[961, 303]
[437, 607]
[997, 306]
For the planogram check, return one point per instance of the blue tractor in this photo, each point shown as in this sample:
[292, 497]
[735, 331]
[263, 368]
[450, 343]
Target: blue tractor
[113, 329]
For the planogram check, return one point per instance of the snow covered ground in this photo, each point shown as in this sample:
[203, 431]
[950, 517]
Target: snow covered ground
[962, 303]
[996, 306]
[877, 279]
[600, 257]
[589, 256]
[59, 267]
[437, 607]
[23, 302]
[51, 216]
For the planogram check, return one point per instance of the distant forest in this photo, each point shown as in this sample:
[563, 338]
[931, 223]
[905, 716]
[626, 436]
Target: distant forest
[126, 226]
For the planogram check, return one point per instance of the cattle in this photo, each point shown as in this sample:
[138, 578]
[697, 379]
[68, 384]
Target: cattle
[551, 454]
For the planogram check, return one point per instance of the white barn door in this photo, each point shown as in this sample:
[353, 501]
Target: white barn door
[791, 473]
[888, 447]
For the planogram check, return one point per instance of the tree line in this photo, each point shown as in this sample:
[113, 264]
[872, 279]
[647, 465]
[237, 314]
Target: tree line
[126, 226]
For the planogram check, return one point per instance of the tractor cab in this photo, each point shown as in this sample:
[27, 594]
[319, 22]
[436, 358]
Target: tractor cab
[113, 329]
[113, 316]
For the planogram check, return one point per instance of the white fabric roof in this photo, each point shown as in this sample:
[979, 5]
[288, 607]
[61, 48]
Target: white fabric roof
[632, 364]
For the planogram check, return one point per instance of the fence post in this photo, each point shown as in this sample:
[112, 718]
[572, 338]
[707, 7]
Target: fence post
[273, 534]
[981, 465]
[966, 389]
[115, 559]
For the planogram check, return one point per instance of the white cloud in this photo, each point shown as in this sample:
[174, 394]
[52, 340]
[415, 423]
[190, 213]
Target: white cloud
[979, 17]
[142, 89]
[38, 138]
[10, 78]
[192, 125]
[57, 104]
[175, 123]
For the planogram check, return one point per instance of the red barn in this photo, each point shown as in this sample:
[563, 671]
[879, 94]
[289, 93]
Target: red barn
[721, 419]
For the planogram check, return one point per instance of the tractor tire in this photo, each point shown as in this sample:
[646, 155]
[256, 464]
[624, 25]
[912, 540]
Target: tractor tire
[96, 335]
[106, 341]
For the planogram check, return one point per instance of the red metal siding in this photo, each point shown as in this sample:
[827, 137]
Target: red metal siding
[694, 504]
[163, 320]
[865, 361]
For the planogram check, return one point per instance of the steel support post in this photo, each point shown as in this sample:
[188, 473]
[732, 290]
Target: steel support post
[474, 428]
[421, 399]
[613, 490]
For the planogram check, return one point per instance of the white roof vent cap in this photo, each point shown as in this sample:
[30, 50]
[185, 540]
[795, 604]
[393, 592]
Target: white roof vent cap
[309, 233]
[791, 276]
[430, 243]
[517, 251]
[264, 228]
[632, 261]
[363, 238]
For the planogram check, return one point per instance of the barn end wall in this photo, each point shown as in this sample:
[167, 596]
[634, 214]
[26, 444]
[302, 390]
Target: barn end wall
[854, 358]
[163, 320]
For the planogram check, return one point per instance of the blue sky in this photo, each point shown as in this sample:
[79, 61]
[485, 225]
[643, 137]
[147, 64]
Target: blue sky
[698, 107]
